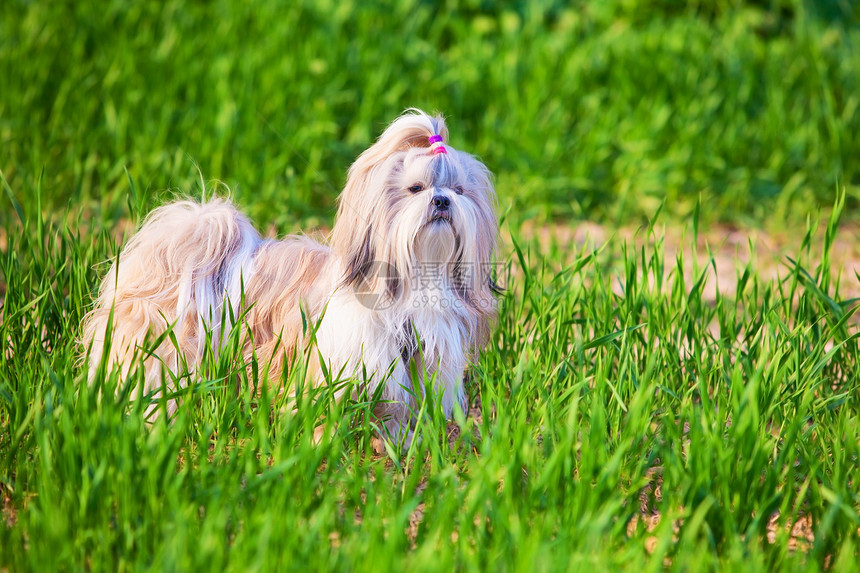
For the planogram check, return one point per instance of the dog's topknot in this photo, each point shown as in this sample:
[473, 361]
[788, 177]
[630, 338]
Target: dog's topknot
[413, 128]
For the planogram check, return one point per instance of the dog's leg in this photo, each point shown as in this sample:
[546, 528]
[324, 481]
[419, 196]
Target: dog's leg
[394, 421]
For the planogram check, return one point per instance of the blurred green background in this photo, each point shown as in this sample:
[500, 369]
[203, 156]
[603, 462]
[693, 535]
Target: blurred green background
[584, 110]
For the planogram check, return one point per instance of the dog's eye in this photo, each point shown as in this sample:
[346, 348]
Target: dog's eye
[458, 189]
[416, 188]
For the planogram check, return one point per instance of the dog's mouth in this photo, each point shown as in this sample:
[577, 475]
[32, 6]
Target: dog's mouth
[440, 216]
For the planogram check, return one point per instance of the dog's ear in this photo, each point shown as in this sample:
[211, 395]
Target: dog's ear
[355, 237]
[473, 269]
[360, 260]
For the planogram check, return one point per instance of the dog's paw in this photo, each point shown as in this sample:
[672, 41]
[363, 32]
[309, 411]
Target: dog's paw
[378, 445]
[319, 432]
[386, 445]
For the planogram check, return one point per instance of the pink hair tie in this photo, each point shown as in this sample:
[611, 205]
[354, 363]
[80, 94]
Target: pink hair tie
[437, 139]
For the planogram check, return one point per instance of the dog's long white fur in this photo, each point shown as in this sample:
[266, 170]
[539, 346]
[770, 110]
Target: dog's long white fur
[396, 265]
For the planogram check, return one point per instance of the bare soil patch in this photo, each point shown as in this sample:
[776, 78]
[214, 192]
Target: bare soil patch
[731, 248]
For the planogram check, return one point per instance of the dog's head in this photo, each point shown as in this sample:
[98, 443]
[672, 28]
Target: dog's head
[418, 214]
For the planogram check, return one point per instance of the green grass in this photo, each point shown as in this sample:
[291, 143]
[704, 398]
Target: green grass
[603, 385]
[613, 387]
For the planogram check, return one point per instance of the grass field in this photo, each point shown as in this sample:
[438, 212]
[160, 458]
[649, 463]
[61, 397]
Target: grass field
[621, 417]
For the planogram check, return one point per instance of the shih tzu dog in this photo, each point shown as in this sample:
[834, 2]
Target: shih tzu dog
[402, 286]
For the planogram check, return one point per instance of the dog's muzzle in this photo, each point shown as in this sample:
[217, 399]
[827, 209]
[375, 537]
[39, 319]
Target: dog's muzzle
[440, 208]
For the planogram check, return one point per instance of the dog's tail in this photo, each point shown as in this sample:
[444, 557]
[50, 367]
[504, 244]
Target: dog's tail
[186, 261]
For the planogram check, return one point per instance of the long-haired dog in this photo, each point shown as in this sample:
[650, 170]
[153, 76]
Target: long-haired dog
[402, 286]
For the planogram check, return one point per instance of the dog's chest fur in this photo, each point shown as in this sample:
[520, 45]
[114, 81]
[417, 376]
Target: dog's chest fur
[379, 343]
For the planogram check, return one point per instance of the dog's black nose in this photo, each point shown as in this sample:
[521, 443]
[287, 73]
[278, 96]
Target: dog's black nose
[441, 202]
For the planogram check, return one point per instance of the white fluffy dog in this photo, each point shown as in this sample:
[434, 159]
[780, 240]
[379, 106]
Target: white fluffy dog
[403, 284]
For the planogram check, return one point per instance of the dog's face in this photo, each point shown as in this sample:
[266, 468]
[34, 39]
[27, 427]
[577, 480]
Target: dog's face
[439, 209]
[422, 218]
